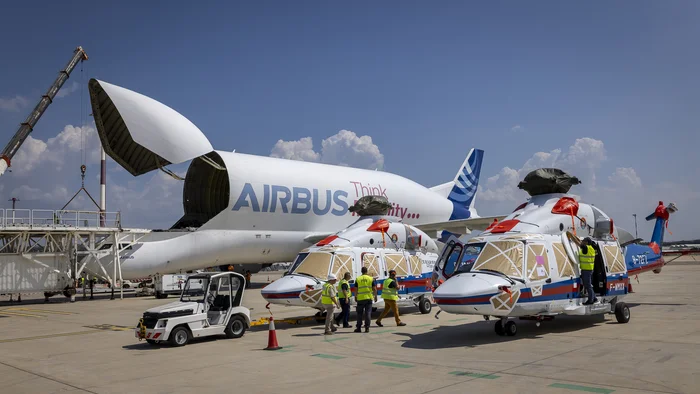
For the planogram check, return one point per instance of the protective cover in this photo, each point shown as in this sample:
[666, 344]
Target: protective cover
[371, 205]
[547, 180]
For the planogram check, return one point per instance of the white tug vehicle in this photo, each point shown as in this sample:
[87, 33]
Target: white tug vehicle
[210, 304]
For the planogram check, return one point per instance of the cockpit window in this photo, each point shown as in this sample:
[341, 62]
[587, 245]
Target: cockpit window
[315, 264]
[471, 253]
[451, 260]
[501, 256]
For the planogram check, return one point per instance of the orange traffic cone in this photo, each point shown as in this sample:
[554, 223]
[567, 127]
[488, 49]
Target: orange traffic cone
[272, 337]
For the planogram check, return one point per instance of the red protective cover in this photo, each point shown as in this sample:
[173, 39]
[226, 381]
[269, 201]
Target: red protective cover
[566, 206]
[381, 225]
[504, 226]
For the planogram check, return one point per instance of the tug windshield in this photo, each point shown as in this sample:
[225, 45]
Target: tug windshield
[194, 290]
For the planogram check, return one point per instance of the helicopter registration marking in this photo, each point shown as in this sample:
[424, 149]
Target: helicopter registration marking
[617, 286]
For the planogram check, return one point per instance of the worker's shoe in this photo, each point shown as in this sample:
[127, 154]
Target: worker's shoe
[358, 330]
[401, 324]
[328, 333]
[379, 323]
[334, 329]
[366, 329]
[347, 326]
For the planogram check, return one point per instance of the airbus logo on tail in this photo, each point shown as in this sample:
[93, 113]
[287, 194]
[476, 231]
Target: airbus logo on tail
[298, 200]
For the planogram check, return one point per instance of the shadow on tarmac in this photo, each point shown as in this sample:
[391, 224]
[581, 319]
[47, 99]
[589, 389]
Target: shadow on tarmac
[483, 333]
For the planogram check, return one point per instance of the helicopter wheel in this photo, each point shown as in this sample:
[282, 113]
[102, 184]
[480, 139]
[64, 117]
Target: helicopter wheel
[511, 328]
[499, 328]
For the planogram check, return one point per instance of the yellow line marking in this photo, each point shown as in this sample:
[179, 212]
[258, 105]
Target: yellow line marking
[15, 314]
[48, 336]
[39, 310]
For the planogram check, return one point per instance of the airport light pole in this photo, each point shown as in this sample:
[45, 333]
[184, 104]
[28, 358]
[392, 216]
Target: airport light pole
[635, 225]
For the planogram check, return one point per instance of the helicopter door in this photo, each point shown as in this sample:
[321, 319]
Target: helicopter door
[615, 267]
[537, 267]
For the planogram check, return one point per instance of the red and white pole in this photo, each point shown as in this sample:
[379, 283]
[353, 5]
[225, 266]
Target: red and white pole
[103, 186]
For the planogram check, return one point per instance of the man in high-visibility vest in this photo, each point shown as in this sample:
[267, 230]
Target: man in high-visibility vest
[366, 292]
[586, 259]
[344, 294]
[390, 294]
[329, 299]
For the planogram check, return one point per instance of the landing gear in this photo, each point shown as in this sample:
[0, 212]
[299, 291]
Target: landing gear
[425, 305]
[509, 328]
[622, 312]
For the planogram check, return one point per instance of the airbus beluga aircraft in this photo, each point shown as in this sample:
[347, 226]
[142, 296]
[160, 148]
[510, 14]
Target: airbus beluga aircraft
[251, 210]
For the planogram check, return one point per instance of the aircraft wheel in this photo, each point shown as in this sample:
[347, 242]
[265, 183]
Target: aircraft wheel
[622, 312]
[179, 336]
[425, 305]
[499, 328]
[235, 327]
[511, 328]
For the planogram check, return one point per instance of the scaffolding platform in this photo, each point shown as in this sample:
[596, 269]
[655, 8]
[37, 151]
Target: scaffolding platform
[46, 251]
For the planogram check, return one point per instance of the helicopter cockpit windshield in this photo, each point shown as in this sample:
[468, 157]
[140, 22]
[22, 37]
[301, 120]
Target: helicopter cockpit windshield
[504, 258]
[314, 264]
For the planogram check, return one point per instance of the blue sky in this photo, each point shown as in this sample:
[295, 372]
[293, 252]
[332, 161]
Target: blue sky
[609, 89]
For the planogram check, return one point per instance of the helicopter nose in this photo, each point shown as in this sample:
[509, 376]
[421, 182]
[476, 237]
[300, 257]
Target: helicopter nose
[474, 293]
[286, 288]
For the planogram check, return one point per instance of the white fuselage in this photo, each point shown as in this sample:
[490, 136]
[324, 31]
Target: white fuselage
[273, 205]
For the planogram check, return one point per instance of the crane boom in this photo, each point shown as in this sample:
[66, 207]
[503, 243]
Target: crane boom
[27, 126]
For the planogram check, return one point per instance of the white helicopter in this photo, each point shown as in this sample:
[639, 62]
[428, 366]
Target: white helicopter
[526, 266]
[379, 242]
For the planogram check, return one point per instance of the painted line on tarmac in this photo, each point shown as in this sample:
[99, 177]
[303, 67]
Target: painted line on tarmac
[330, 356]
[462, 319]
[424, 325]
[19, 314]
[381, 332]
[393, 365]
[66, 334]
[581, 388]
[40, 311]
[336, 339]
[475, 375]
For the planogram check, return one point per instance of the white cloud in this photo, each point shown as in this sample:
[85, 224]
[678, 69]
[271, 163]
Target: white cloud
[344, 148]
[516, 128]
[626, 177]
[70, 141]
[13, 104]
[67, 90]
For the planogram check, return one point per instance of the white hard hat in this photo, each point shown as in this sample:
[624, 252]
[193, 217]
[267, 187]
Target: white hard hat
[331, 277]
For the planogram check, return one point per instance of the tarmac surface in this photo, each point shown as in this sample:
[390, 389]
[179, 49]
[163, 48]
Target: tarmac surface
[90, 347]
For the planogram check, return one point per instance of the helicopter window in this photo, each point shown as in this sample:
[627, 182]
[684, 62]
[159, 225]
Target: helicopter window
[297, 261]
[537, 262]
[341, 264]
[396, 262]
[315, 264]
[415, 265]
[613, 259]
[564, 265]
[370, 261]
[471, 252]
[451, 260]
[502, 256]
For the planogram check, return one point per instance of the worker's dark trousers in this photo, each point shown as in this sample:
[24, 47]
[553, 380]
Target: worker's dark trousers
[587, 278]
[344, 315]
[364, 312]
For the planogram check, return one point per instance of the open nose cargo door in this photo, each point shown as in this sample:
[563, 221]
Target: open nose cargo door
[140, 133]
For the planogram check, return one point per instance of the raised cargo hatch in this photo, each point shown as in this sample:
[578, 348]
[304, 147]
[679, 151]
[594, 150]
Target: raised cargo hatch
[140, 133]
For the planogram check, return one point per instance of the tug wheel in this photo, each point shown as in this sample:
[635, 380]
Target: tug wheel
[179, 336]
[622, 312]
[235, 327]
[499, 328]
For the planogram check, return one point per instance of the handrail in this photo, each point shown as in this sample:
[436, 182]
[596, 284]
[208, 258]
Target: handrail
[46, 218]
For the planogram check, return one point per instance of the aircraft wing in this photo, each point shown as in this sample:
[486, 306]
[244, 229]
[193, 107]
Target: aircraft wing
[460, 226]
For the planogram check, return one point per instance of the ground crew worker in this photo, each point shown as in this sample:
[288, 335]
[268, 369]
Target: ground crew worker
[247, 279]
[344, 295]
[230, 267]
[390, 294]
[586, 258]
[329, 299]
[366, 291]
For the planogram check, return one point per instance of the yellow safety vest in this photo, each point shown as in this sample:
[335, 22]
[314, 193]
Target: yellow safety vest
[388, 293]
[587, 260]
[326, 294]
[364, 288]
[341, 293]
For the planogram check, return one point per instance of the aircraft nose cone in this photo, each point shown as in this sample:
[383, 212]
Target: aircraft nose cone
[474, 293]
[287, 287]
